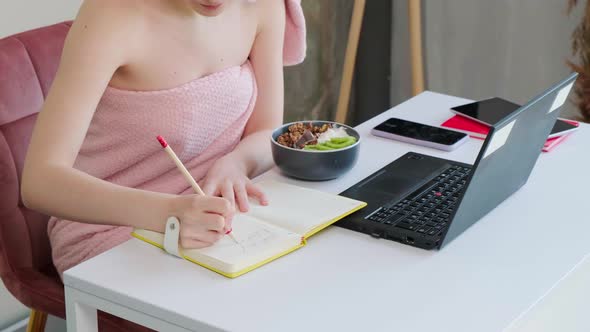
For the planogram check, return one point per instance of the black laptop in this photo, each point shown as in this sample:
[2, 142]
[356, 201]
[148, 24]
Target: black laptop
[426, 202]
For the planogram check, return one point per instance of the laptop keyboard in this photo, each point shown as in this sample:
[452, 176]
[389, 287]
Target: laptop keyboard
[427, 210]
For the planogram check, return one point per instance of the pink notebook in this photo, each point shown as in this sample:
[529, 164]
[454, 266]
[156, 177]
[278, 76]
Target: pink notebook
[467, 126]
[478, 130]
[552, 142]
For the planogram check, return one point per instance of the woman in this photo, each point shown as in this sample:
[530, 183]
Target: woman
[205, 74]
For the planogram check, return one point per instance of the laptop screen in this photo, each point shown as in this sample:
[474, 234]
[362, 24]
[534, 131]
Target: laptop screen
[508, 156]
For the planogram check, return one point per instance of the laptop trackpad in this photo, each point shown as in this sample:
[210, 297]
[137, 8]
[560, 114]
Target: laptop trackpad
[395, 184]
[399, 179]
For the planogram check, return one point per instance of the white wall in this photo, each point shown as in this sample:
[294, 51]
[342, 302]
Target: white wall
[10, 309]
[21, 15]
[510, 49]
[480, 48]
[17, 16]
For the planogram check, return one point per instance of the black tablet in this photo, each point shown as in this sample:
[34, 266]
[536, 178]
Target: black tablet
[491, 111]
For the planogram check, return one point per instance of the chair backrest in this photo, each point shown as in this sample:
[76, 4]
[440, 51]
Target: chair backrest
[28, 63]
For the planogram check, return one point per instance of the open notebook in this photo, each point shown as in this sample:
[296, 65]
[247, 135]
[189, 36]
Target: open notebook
[266, 233]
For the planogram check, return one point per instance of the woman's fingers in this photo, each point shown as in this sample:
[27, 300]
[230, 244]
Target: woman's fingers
[227, 192]
[189, 243]
[241, 197]
[200, 240]
[215, 205]
[207, 222]
[210, 189]
[254, 191]
[208, 237]
[235, 195]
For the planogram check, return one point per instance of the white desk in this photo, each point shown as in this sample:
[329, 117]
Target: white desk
[347, 281]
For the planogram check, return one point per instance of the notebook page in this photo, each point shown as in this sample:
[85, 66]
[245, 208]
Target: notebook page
[256, 242]
[297, 209]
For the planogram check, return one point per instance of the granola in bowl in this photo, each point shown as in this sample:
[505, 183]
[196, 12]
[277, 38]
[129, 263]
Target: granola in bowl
[307, 136]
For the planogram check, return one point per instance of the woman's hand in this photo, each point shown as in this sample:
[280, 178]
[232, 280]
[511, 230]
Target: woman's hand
[204, 219]
[228, 178]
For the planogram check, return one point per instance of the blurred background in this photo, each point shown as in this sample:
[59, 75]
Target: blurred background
[473, 49]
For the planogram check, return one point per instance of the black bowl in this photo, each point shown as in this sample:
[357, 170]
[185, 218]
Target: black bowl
[314, 165]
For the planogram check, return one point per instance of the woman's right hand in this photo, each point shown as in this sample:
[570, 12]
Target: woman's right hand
[204, 220]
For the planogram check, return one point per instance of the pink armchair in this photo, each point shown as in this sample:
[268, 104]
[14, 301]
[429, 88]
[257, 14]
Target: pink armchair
[28, 63]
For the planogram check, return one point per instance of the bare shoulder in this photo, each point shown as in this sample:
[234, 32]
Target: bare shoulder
[104, 24]
[272, 5]
[116, 13]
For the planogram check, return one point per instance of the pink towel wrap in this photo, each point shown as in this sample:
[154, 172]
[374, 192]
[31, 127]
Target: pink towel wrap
[203, 120]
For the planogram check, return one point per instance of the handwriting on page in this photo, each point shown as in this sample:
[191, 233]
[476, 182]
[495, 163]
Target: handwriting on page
[254, 239]
[251, 240]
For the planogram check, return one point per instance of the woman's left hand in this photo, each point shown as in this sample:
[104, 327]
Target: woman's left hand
[228, 178]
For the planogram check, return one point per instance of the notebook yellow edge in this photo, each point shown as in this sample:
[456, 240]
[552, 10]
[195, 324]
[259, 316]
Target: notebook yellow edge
[229, 275]
[259, 264]
[331, 221]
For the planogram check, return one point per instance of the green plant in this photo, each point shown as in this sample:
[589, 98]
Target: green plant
[581, 50]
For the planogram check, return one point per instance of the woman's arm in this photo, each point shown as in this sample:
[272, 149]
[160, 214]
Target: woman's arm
[252, 156]
[267, 60]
